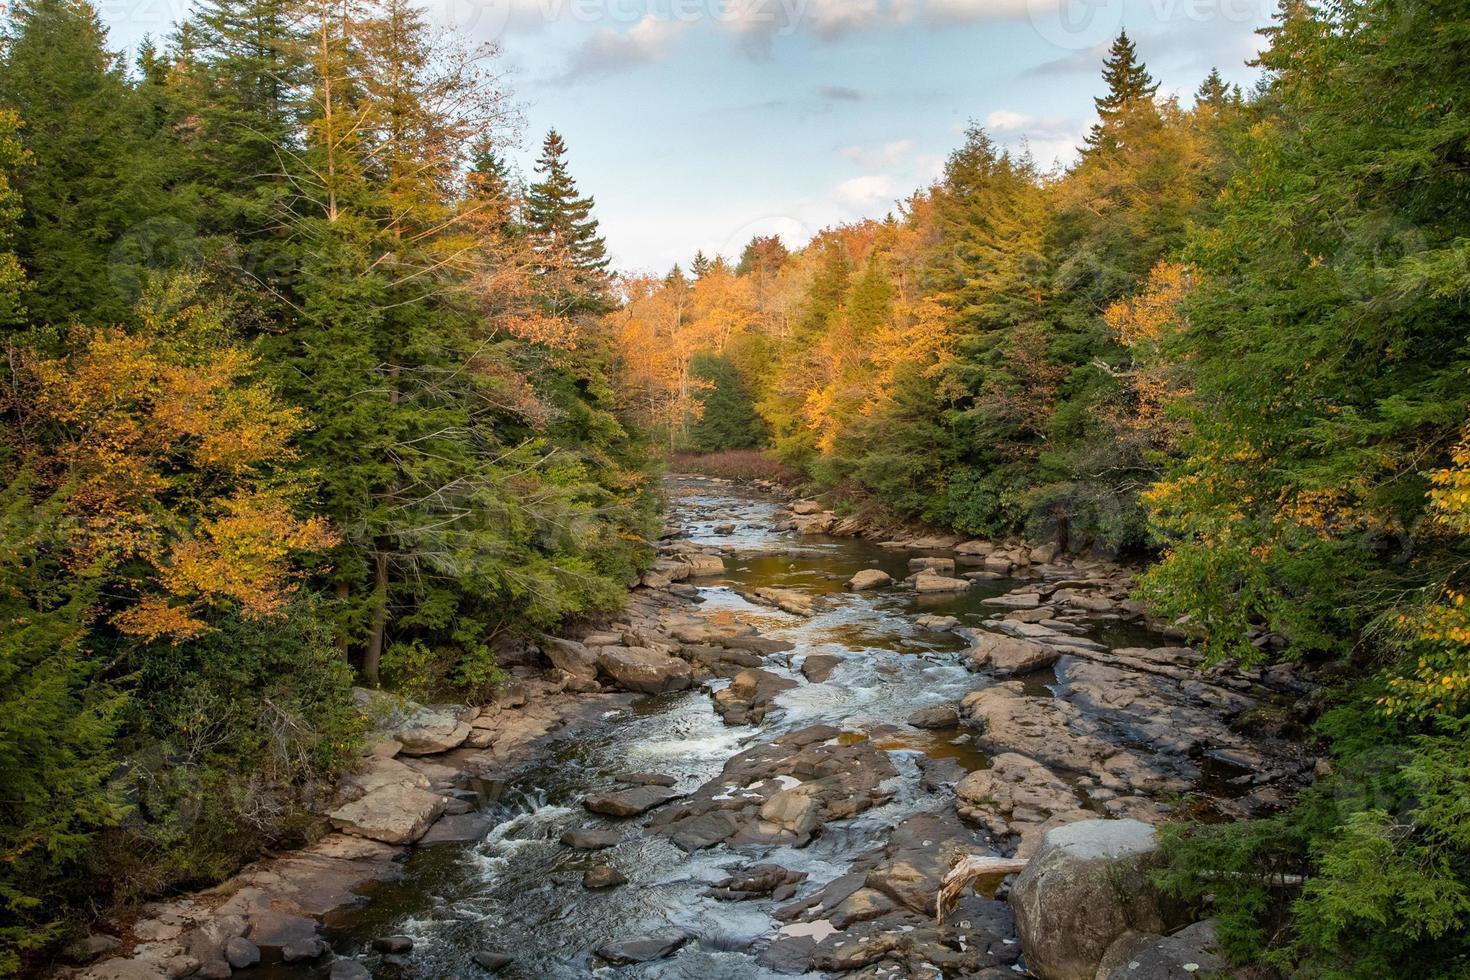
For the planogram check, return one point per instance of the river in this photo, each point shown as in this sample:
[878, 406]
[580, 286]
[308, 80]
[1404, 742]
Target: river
[519, 890]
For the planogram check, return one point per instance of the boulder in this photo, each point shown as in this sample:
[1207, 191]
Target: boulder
[573, 657]
[602, 876]
[787, 600]
[806, 508]
[1009, 656]
[936, 623]
[348, 970]
[1017, 796]
[1192, 951]
[642, 950]
[1045, 554]
[704, 566]
[869, 578]
[395, 814]
[241, 953]
[644, 670]
[1086, 886]
[429, 731]
[797, 811]
[817, 667]
[939, 716]
[1014, 600]
[628, 802]
[492, 960]
[939, 566]
[749, 695]
[590, 838]
[975, 547]
[940, 583]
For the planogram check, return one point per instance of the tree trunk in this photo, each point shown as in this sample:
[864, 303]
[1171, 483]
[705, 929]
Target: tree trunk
[374, 654]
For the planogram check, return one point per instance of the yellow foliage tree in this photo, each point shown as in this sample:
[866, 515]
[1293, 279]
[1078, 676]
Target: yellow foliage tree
[171, 465]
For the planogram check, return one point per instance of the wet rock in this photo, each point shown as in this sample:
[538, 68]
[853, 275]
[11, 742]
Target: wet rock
[938, 774]
[749, 695]
[590, 838]
[394, 814]
[241, 953]
[1087, 885]
[628, 802]
[206, 943]
[703, 830]
[601, 877]
[826, 780]
[936, 623]
[1018, 797]
[757, 881]
[1008, 656]
[869, 578]
[787, 600]
[939, 566]
[348, 970]
[458, 829]
[1049, 730]
[304, 951]
[703, 565]
[1014, 600]
[919, 853]
[939, 716]
[642, 950]
[1192, 951]
[393, 944]
[940, 583]
[273, 930]
[646, 778]
[492, 960]
[817, 667]
[644, 670]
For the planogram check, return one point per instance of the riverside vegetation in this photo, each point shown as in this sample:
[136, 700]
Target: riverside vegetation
[303, 386]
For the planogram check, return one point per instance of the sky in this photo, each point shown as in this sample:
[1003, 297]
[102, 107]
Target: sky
[697, 124]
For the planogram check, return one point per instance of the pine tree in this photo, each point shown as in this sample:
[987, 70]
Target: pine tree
[1214, 92]
[1130, 87]
[700, 266]
[564, 232]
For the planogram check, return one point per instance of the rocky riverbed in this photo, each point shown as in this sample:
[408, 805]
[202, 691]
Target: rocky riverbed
[767, 765]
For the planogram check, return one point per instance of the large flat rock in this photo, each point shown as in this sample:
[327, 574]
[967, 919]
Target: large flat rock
[394, 814]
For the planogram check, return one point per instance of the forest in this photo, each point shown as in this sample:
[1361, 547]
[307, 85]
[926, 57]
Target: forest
[305, 388]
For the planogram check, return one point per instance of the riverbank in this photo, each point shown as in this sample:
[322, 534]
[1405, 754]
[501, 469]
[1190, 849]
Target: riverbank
[756, 769]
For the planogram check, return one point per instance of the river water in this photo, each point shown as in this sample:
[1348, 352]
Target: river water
[519, 891]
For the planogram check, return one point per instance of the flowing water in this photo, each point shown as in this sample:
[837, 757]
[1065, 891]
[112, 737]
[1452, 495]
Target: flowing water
[518, 890]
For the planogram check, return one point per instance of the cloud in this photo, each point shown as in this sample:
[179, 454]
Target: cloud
[1088, 61]
[884, 156]
[1051, 140]
[831, 19]
[941, 12]
[862, 196]
[609, 52]
[839, 93]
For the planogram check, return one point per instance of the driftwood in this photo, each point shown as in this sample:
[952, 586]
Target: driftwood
[966, 872]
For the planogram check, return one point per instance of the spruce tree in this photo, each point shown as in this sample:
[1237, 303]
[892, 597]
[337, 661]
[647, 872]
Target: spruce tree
[97, 170]
[240, 72]
[564, 232]
[1130, 87]
[700, 266]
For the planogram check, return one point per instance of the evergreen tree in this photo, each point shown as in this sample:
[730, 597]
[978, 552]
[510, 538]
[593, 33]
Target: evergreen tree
[729, 419]
[99, 168]
[1130, 88]
[564, 233]
[700, 266]
[240, 71]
